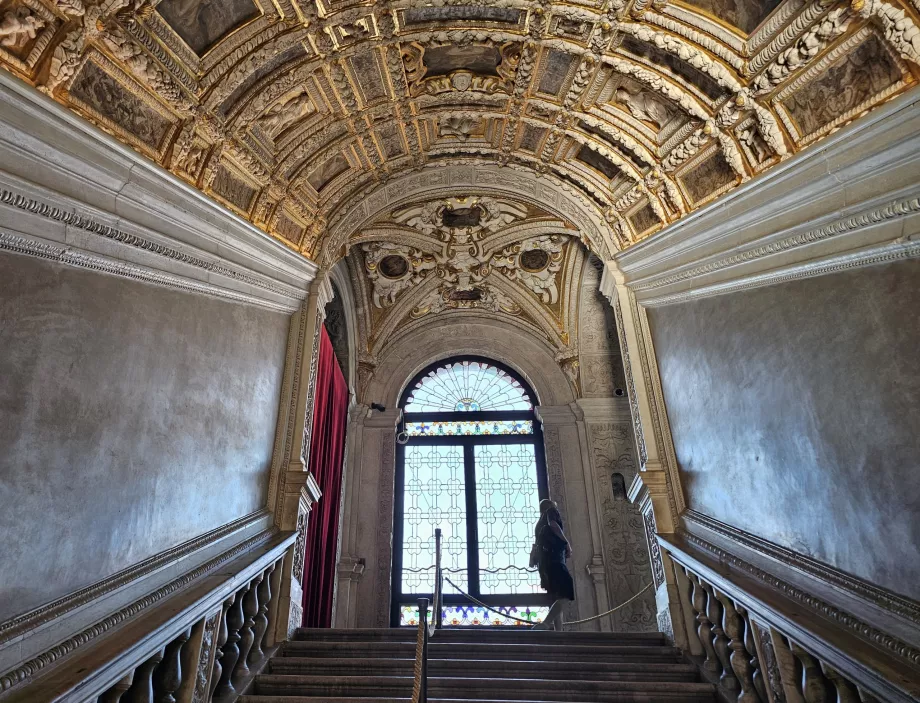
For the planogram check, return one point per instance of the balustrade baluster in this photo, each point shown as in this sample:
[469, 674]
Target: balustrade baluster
[247, 636]
[719, 640]
[760, 683]
[264, 596]
[739, 657]
[814, 687]
[271, 633]
[219, 647]
[231, 649]
[169, 673]
[846, 691]
[704, 627]
[120, 688]
[141, 690]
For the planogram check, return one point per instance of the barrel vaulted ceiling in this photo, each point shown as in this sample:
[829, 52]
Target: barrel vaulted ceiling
[294, 112]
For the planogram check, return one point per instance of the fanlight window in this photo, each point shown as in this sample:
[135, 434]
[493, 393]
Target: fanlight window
[467, 386]
[472, 465]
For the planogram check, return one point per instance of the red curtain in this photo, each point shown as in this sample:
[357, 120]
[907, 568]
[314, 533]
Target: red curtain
[327, 451]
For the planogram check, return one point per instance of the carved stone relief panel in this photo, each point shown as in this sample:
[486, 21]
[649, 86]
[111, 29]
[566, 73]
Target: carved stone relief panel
[625, 548]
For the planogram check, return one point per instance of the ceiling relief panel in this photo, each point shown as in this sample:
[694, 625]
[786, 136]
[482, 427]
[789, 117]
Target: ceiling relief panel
[467, 253]
[291, 112]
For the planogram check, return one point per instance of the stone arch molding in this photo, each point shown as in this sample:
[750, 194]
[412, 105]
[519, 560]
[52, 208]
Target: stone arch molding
[545, 191]
[493, 338]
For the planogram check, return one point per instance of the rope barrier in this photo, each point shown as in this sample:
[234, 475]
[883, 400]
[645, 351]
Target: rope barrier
[528, 622]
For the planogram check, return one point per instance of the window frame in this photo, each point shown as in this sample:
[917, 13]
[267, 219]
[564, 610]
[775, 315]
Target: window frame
[468, 444]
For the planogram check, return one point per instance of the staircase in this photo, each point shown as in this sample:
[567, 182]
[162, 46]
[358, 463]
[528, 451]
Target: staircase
[375, 666]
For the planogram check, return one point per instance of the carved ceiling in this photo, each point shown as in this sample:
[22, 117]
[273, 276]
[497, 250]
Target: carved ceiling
[291, 112]
[467, 255]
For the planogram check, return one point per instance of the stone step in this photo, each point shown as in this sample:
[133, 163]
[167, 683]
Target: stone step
[493, 635]
[488, 650]
[471, 688]
[497, 668]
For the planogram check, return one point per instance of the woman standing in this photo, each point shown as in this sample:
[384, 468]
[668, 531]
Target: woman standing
[553, 549]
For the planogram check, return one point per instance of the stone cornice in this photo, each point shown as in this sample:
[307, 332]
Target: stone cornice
[838, 211]
[72, 194]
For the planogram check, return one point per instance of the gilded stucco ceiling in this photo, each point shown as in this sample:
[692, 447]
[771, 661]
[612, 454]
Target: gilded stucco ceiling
[292, 112]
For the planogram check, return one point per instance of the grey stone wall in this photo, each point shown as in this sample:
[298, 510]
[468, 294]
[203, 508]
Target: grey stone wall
[795, 411]
[132, 418]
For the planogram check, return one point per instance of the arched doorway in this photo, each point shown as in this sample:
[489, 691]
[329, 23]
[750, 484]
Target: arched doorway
[473, 465]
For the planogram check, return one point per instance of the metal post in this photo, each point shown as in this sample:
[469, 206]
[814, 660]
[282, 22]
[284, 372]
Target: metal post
[439, 582]
[423, 623]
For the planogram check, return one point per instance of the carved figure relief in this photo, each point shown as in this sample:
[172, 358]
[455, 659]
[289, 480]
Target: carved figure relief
[645, 106]
[439, 68]
[18, 27]
[286, 112]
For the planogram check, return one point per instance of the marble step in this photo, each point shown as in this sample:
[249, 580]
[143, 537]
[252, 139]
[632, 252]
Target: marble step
[478, 688]
[487, 650]
[497, 668]
[492, 635]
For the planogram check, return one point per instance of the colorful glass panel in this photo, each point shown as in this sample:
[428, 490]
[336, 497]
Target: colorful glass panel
[473, 427]
[434, 492]
[467, 386]
[507, 500]
[476, 616]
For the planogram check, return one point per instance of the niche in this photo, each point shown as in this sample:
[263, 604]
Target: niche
[618, 486]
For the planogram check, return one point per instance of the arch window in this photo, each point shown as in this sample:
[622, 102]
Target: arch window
[472, 465]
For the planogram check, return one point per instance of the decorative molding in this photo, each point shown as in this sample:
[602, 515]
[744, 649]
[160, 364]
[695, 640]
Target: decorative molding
[651, 530]
[14, 627]
[384, 551]
[27, 671]
[205, 658]
[887, 253]
[73, 257]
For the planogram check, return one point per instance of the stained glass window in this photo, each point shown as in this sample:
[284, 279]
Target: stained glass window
[470, 463]
[508, 507]
[466, 427]
[434, 496]
[477, 616]
[467, 386]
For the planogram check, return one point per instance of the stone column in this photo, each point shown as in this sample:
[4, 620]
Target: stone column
[293, 489]
[568, 468]
[656, 488]
[350, 566]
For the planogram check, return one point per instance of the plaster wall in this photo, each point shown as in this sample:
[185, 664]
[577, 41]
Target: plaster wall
[795, 412]
[134, 418]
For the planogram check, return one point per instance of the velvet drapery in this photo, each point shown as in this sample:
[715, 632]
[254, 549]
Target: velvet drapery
[327, 451]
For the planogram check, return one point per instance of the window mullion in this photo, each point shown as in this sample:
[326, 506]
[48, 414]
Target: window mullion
[472, 518]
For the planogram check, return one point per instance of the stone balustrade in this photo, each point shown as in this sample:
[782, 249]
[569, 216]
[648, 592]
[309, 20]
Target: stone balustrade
[756, 650]
[212, 658]
[203, 641]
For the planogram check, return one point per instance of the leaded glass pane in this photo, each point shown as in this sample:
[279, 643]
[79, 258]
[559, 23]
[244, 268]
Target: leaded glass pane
[508, 501]
[475, 616]
[434, 496]
[474, 427]
[467, 386]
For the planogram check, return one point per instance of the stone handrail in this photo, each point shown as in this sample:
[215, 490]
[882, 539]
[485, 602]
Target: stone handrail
[204, 643]
[759, 645]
